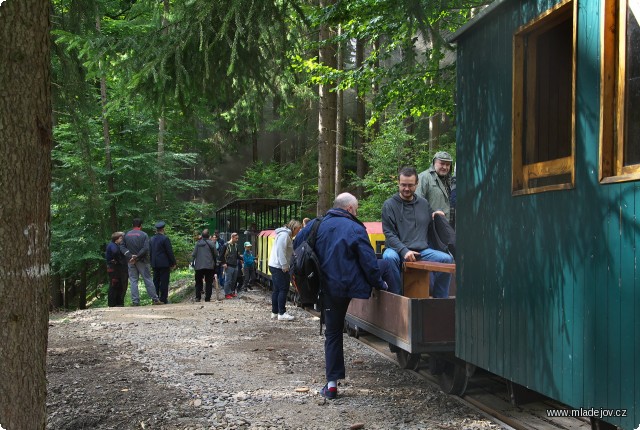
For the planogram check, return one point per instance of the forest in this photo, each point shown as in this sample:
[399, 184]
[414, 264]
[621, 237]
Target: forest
[167, 110]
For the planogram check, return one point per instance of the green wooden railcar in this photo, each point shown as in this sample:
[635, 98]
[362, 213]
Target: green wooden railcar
[548, 166]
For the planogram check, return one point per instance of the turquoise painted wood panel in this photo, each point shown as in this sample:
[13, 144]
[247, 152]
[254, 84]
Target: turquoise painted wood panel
[548, 285]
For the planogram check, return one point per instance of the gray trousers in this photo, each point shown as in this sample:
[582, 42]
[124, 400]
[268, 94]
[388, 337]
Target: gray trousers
[135, 271]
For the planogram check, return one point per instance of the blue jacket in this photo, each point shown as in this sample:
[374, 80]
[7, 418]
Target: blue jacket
[347, 260]
[114, 257]
[161, 252]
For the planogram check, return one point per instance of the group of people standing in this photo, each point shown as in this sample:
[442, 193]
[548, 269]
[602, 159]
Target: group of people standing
[215, 260]
[131, 255]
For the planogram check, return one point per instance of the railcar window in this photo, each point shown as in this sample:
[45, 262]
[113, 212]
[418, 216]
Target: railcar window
[543, 102]
[620, 92]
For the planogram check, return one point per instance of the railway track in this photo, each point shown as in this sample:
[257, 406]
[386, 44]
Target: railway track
[488, 394]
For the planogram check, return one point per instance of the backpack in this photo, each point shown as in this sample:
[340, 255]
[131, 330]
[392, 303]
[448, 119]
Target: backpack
[442, 236]
[305, 269]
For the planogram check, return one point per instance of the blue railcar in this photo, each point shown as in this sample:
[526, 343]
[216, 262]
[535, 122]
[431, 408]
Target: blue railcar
[548, 164]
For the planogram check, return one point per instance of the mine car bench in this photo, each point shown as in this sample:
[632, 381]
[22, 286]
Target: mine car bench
[414, 323]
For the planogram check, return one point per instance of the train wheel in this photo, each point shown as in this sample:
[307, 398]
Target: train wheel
[348, 329]
[356, 332]
[453, 379]
[406, 360]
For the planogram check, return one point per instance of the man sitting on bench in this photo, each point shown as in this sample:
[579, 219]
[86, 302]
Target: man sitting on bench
[405, 223]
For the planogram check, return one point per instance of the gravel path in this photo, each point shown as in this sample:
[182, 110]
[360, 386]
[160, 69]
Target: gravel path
[226, 365]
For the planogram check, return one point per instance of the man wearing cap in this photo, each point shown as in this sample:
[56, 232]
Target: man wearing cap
[135, 247]
[162, 261]
[249, 267]
[436, 184]
[405, 224]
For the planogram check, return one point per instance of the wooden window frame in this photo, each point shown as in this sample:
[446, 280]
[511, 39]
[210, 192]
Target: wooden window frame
[521, 173]
[612, 95]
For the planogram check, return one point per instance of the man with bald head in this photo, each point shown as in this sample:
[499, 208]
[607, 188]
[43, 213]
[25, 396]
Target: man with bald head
[350, 269]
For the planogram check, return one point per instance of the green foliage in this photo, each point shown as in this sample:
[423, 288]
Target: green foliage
[210, 69]
[387, 154]
[296, 181]
[413, 77]
[181, 288]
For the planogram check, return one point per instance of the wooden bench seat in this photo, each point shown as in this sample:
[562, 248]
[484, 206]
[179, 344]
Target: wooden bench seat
[417, 274]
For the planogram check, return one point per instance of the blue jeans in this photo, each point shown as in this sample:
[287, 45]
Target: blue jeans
[230, 279]
[439, 281]
[280, 281]
[335, 309]
[390, 275]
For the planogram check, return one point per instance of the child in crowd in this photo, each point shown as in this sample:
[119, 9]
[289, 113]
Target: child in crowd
[249, 267]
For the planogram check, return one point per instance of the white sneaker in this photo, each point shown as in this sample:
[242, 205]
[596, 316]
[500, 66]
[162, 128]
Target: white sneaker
[274, 316]
[286, 317]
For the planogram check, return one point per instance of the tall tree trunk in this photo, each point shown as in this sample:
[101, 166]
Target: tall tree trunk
[375, 89]
[409, 57]
[361, 165]
[254, 145]
[339, 123]
[434, 120]
[56, 292]
[111, 188]
[162, 124]
[162, 127]
[326, 123]
[82, 290]
[25, 180]
[277, 148]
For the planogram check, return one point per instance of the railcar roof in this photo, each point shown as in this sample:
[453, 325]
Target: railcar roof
[476, 19]
[257, 205]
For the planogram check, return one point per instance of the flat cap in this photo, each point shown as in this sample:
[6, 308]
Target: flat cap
[160, 224]
[443, 155]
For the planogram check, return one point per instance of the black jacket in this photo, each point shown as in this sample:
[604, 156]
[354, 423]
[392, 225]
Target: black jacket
[161, 252]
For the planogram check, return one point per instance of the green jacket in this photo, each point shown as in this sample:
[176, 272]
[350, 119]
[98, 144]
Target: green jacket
[432, 188]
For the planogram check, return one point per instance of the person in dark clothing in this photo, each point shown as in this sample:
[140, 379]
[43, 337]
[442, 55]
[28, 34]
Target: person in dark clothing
[350, 269]
[231, 261]
[162, 261]
[220, 248]
[204, 257]
[117, 270]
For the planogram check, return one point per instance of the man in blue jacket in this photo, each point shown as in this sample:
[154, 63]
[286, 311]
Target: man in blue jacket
[350, 270]
[162, 261]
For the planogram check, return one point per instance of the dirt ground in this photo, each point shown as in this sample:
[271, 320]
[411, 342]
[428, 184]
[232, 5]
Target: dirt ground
[226, 365]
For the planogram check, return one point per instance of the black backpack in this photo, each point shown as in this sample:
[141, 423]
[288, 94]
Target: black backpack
[305, 269]
[442, 236]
